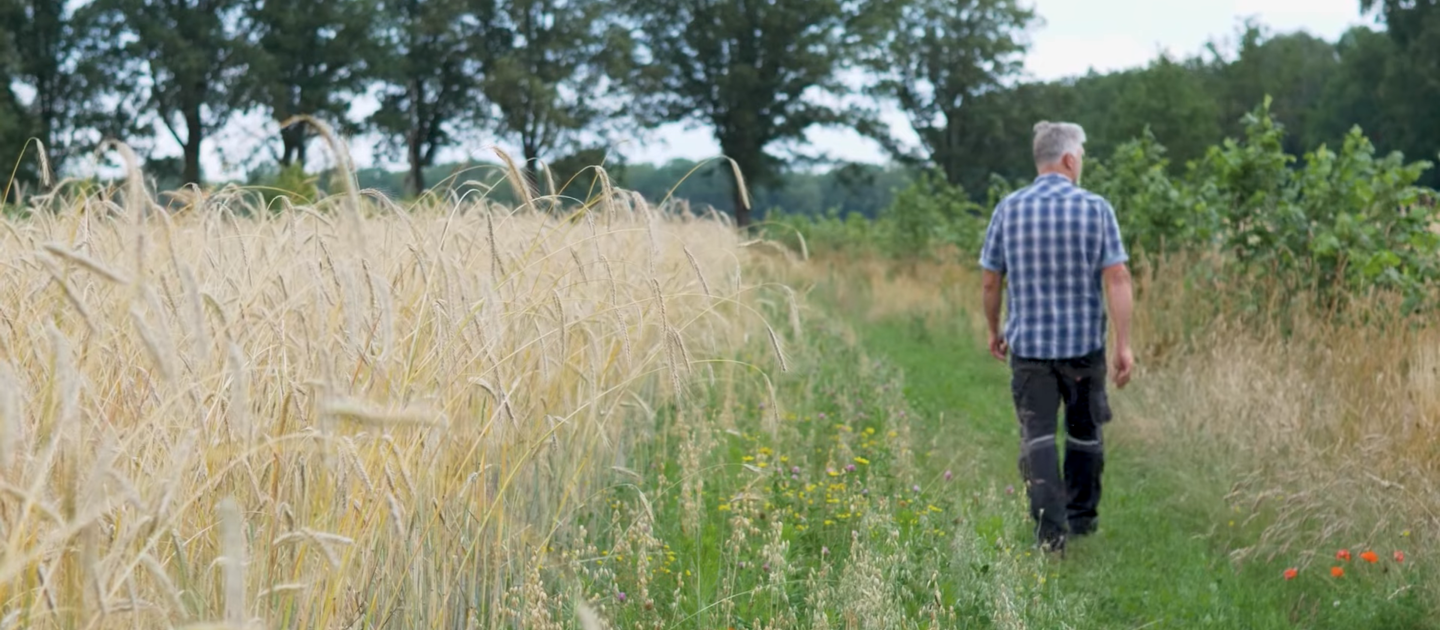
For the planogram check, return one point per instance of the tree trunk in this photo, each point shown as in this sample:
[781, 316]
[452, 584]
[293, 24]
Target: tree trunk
[742, 202]
[293, 138]
[532, 166]
[417, 164]
[194, 135]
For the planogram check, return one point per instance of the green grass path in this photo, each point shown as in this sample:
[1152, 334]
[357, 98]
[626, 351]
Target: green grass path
[1157, 561]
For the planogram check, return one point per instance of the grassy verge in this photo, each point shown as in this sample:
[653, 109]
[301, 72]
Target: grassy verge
[1160, 558]
[876, 486]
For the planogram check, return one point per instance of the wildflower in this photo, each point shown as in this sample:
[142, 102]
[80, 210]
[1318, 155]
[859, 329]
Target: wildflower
[747, 458]
[862, 461]
[1343, 554]
[1405, 534]
[620, 595]
[948, 475]
[765, 567]
[824, 551]
[1291, 573]
[1369, 556]
[1010, 489]
[1399, 556]
[795, 476]
[850, 468]
[831, 472]
[1337, 572]
[765, 450]
[821, 415]
[915, 487]
[724, 507]
[865, 492]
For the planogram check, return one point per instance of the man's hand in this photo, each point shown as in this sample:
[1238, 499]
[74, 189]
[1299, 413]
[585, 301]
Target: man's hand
[1124, 365]
[998, 348]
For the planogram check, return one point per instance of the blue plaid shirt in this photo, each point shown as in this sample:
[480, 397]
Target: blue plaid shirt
[1051, 240]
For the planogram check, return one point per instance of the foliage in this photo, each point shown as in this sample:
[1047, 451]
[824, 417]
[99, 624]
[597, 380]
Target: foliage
[51, 45]
[1157, 215]
[426, 65]
[547, 75]
[928, 214]
[932, 211]
[1329, 222]
[751, 71]
[940, 55]
[294, 184]
[308, 58]
[186, 55]
[1345, 221]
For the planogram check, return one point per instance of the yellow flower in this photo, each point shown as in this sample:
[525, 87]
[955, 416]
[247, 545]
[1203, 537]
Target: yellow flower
[747, 458]
[784, 459]
[765, 450]
[762, 464]
[893, 435]
[862, 461]
[935, 509]
[829, 522]
[724, 507]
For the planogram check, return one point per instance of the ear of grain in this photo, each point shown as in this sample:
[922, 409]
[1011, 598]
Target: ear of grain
[239, 404]
[232, 544]
[12, 416]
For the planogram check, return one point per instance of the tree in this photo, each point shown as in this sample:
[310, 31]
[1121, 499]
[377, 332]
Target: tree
[941, 56]
[428, 69]
[48, 50]
[14, 123]
[752, 70]
[189, 59]
[1365, 90]
[309, 58]
[1414, 27]
[546, 77]
[1294, 69]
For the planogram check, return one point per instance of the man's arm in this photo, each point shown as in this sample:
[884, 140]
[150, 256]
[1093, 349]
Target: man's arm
[1121, 299]
[994, 282]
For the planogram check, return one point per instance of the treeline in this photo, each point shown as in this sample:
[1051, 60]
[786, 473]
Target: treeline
[861, 189]
[564, 79]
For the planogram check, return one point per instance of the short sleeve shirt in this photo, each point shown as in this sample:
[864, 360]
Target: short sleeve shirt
[1052, 240]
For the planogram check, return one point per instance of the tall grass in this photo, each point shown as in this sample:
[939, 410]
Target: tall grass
[349, 414]
[1313, 430]
[1323, 419]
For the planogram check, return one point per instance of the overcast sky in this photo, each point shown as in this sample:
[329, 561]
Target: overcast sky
[1076, 36]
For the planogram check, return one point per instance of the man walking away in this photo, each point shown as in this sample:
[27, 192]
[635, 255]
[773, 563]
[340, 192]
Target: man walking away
[1059, 247]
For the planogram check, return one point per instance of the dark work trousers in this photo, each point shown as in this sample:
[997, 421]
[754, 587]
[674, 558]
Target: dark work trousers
[1068, 507]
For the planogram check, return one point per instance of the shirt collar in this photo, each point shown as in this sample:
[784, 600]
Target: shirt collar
[1052, 179]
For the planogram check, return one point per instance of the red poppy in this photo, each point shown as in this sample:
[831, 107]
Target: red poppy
[1291, 573]
[1337, 571]
[1343, 554]
[1369, 556]
[1399, 556]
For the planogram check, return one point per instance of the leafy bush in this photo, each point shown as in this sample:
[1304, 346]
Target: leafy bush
[931, 212]
[1330, 222]
[927, 215]
[290, 182]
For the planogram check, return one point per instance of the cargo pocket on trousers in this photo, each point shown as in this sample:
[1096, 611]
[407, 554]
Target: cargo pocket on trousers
[1099, 402]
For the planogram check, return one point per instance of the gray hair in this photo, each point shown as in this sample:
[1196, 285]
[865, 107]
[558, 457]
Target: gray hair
[1054, 140]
